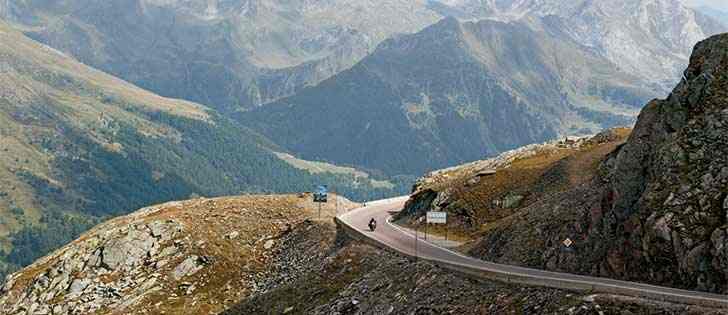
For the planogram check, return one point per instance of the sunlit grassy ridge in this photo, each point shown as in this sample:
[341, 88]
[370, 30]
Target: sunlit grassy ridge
[480, 203]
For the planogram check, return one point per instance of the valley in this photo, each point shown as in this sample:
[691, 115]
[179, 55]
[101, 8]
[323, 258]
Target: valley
[79, 147]
[451, 94]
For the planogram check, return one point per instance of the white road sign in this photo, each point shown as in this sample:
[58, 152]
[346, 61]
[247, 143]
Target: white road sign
[437, 217]
[568, 242]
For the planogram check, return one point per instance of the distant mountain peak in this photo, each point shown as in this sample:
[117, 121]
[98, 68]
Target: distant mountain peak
[649, 38]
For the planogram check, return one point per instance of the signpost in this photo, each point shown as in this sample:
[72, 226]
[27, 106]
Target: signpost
[320, 196]
[436, 217]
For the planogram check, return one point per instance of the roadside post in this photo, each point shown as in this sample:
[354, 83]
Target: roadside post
[436, 217]
[320, 196]
[417, 227]
[414, 279]
[426, 224]
[416, 256]
[336, 202]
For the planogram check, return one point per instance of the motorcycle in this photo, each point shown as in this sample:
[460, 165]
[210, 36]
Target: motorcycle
[372, 225]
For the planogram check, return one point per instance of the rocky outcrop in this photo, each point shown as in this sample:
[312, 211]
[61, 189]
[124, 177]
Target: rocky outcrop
[105, 270]
[189, 257]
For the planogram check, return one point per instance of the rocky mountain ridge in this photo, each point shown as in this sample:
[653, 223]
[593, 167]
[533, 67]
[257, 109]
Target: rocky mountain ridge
[161, 259]
[228, 55]
[649, 38]
[451, 93]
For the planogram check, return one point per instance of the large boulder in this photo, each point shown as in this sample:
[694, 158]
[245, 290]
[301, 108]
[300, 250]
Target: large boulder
[131, 250]
[188, 267]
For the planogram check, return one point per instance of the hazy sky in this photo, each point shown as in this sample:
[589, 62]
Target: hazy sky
[718, 4]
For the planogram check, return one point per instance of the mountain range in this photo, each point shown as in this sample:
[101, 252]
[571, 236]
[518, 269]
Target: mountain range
[649, 38]
[238, 54]
[455, 92]
[588, 65]
[229, 55]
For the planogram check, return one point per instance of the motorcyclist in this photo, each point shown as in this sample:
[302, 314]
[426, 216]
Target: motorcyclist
[372, 224]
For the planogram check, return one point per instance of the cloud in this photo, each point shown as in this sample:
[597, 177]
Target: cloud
[716, 4]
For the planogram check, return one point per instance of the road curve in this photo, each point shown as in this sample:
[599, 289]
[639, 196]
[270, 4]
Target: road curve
[390, 236]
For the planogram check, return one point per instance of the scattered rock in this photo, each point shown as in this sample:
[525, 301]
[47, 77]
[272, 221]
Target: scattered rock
[139, 243]
[269, 244]
[188, 267]
[168, 251]
[512, 201]
[9, 283]
[233, 235]
[77, 286]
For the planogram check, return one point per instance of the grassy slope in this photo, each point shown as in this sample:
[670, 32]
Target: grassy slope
[535, 175]
[79, 145]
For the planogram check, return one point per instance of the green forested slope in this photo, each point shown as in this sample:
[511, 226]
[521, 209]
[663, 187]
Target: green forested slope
[78, 146]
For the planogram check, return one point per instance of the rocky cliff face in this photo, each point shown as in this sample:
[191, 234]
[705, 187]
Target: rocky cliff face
[667, 191]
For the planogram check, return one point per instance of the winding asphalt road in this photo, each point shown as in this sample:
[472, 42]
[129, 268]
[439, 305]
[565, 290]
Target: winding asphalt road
[389, 235]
